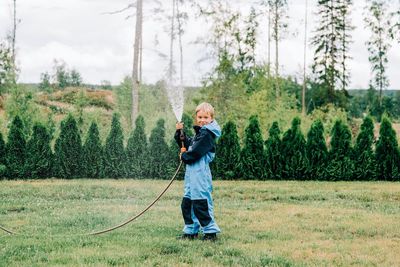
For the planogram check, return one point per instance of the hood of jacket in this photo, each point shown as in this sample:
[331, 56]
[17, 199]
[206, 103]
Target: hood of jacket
[214, 128]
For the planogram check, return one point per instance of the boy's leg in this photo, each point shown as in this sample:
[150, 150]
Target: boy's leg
[204, 211]
[192, 225]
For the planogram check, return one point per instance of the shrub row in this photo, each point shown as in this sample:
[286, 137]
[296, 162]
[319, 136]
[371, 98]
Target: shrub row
[287, 155]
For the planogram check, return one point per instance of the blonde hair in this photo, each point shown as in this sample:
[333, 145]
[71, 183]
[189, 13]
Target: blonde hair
[206, 107]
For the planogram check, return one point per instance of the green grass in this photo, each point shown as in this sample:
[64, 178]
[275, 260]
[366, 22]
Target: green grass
[263, 223]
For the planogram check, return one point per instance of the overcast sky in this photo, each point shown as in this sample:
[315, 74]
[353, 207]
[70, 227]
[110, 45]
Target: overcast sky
[100, 46]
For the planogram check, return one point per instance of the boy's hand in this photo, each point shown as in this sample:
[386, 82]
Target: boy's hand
[179, 125]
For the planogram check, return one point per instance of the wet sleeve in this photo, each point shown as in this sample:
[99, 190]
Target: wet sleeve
[204, 144]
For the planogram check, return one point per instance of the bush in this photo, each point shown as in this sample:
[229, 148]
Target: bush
[16, 150]
[93, 153]
[316, 151]
[364, 160]
[68, 150]
[273, 153]
[293, 152]
[137, 152]
[252, 155]
[114, 154]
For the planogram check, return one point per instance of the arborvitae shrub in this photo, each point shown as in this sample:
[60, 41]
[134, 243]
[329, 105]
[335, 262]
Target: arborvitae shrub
[227, 158]
[39, 162]
[93, 153]
[114, 154]
[387, 153]
[364, 159]
[293, 152]
[252, 155]
[187, 124]
[2, 157]
[316, 151]
[137, 151]
[16, 150]
[160, 154]
[68, 150]
[273, 156]
[340, 165]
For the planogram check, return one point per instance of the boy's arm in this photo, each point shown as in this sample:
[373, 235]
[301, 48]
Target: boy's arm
[206, 143]
[186, 141]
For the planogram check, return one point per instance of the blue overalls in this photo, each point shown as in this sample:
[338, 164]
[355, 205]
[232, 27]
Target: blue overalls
[197, 204]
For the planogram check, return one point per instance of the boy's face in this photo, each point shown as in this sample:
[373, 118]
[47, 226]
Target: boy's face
[203, 118]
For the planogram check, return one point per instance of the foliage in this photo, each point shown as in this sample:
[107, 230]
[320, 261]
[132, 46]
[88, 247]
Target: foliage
[93, 153]
[68, 150]
[2, 155]
[137, 151]
[39, 161]
[114, 154]
[340, 165]
[227, 157]
[364, 159]
[160, 161]
[252, 154]
[316, 151]
[45, 84]
[387, 152]
[273, 153]
[294, 161]
[378, 44]
[16, 153]
[7, 68]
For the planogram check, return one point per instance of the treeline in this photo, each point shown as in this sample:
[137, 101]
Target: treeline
[289, 155]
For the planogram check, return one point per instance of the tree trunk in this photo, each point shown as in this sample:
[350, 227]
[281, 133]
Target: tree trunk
[303, 99]
[269, 42]
[135, 69]
[276, 29]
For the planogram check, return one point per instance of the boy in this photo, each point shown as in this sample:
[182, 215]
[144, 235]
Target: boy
[197, 205]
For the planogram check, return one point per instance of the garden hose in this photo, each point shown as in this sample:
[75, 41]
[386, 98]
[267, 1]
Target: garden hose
[125, 222]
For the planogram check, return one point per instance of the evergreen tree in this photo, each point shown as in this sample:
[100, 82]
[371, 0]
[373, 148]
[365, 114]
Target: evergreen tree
[293, 152]
[387, 152]
[93, 153]
[68, 150]
[16, 150]
[340, 165]
[331, 41]
[39, 163]
[159, 152]
[316, 151]
[364, 159]
[227, 153]
[2, 156]
[114, 154]
[187, 124]
[137, 151]
[252, 155]
[377, 21]
[273, 153]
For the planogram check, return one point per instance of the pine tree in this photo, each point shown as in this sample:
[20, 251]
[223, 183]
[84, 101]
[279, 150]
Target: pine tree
[159, 152]
[316, 151]
[364, 159]
[228, 153]
[340, 165]
[378, 44]
[252, 155]
[331, 41]
[68, 150]
[16, 150]
[137, 151]
[293, 152]
[2, 156]
[273, 153]
[93, 153]
[114, 154]
[387, 152]
[39, 163]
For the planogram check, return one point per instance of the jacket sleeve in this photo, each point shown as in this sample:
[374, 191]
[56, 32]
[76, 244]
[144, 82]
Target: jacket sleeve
[200, 147]
[186, 141]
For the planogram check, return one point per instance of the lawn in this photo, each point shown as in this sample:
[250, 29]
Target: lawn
[272, 223]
